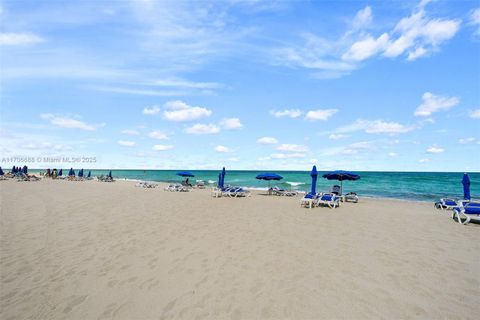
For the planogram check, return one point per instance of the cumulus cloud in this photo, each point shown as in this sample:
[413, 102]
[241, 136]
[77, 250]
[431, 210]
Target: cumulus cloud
[475, 114]
[339, 136]
[231, 123]
[70, 123]
[151, 110]
[19, 39]
[267, 140]
[203, 129]
[292, 148]
[222, 149]
[125, 143]
[158, 135]
[432, 103]
[366, 48]
[161, 147]
[180, 111]
[435, 149]
[131, 132]
[292, 113]
[320, 114]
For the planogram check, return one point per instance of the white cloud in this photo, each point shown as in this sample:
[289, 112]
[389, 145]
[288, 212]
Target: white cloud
[357, 147]
[475, 20]
[392, 154]
[363, 18]
[320, 114]
[180, 111]
[424, 160]
[161, 147]
[376, 126]
[292, 148]
[432, 103]
[366, 48]
[222, 149]
[182, 83]
[158, 135]
[339, 136]
[475, 114]
[467, 140]
[131, 132]
[435, 149]
[267, 140]
[125, 143]
[19, 39]
[68, 122]
[231, 123]
[151, 110]
[203, 129]
[286, 155]
[292, 113]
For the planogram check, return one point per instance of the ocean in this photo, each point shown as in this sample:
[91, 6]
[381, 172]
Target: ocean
[418, 186]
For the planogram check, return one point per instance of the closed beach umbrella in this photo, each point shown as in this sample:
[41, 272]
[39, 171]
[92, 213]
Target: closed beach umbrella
[269, 177]
[89, 174]
[185, 174]
[1, 172]
[80, 173]
[466, 187]
[71, 173]
[222, 184]
[60, 173]
[14, 170]
[25, 169]
[110, 174]
[314, 175]
[341, 175]
[219, 180]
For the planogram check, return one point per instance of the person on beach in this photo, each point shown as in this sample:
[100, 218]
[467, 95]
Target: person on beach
[54, 173]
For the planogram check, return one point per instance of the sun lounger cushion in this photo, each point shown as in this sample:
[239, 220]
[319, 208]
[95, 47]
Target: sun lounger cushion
[470, 209]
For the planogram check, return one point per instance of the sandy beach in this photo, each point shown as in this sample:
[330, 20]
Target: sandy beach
[91, 250]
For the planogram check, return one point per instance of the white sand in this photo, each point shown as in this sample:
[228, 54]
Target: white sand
[91, 250]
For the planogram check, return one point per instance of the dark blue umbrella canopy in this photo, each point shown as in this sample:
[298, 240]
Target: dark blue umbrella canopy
[110, 174]
[80, 173]
[466, 187]
[89, 174]
[341, 175]
[25, 169]
[222, 181]
[14, 169]
[219, 180]
[314, 175]
[60, 173]
[1, 172]
[268, 176]
[71, 173]
[185, 174]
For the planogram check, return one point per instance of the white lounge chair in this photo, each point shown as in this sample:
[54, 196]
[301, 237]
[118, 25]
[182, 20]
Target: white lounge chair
[309, 200]
[329, 199]
[468, 211]
[447, 204]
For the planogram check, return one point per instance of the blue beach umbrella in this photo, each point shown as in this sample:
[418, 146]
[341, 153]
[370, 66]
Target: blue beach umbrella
[60, 173]
[314, 175]
[466, 187]
[80, 173]
[25, 169]
[185, 174]
[219, 180]
[268, 176]
[222, 182]
[341, 175]
[110, 174]
[71, 173]
[14, 169]
[1, 172]
[89, 174]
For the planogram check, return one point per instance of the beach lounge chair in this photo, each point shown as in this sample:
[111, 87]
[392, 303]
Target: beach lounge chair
[283, 192]
[446, 204]
[145, 184]
[309, 200]
[351, 197]
[468, 211]
[200, 184]
[235, 192]
[329, 199]
[336, 189]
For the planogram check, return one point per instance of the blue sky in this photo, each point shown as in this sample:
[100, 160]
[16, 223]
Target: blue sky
[357, 85]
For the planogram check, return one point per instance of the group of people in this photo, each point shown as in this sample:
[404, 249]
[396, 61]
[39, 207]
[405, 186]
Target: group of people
[50, 173]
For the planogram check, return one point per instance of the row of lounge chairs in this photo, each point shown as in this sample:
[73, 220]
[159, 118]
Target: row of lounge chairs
[463, 211]
[20, 176]
[321, 199]
[229, 191]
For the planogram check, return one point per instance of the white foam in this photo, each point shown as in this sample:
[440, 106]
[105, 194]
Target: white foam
[294, 184]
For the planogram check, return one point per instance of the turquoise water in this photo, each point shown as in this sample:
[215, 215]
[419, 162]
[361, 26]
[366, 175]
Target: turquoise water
[420, 186]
